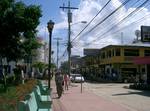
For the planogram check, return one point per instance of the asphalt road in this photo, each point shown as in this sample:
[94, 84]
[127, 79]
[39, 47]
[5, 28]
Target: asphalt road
[134, 100]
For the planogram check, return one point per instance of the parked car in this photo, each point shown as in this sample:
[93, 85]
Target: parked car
[79, 79]
[76, 78]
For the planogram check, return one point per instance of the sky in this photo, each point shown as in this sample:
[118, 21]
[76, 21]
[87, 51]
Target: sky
[116, 29]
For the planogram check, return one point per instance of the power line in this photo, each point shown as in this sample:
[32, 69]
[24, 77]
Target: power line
[139, 20]
[130, 14]
[105, 27]
[61, 57]
[135, 22]
[91, 20]
[133, 4]
[106, 17]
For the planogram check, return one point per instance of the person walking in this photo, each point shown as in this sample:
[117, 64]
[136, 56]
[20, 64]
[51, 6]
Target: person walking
[59, 80]
[66, 81]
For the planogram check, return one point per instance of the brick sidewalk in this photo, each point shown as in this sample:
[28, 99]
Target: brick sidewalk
[74, 100]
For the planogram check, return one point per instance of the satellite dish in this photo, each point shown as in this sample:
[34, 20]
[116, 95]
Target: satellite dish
[138, 33]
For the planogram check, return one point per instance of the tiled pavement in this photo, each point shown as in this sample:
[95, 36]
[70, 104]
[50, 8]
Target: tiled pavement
[74, 100]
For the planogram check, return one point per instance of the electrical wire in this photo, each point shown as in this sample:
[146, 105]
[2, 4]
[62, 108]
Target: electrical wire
[61, 57]
[123, 4]
[87, 44]
[106, 27]
[91, 20]
[112, 22]
[135, 22]
[120, 21]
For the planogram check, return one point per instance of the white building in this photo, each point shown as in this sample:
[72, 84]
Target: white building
[42, 52]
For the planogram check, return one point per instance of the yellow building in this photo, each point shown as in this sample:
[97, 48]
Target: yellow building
[116, 61]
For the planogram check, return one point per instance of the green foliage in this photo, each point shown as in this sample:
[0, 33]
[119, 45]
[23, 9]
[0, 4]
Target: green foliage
[39, 65]
[17, 21]
[9, 99]
[29, 45]
[42, 65]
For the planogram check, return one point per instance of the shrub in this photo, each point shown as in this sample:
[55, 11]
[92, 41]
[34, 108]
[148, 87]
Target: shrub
[9, 99]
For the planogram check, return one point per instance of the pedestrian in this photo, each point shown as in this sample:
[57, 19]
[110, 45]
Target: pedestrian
[59, 80]
[66, 81]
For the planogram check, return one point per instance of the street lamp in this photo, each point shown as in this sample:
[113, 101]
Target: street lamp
[50, 26]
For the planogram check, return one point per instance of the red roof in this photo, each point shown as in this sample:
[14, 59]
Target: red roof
[141, 60]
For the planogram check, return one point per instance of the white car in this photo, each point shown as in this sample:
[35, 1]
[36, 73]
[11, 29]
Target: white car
[79, 79]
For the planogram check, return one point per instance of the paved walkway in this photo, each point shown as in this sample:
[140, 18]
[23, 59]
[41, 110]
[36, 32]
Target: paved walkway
[74, 100]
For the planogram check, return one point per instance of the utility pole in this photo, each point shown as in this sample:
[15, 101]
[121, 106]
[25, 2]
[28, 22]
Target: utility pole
[69, 33]
[57, 49]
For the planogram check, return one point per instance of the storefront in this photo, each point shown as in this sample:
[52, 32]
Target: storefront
[144, 61]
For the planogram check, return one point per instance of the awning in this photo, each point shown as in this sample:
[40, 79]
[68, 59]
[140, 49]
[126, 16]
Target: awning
[141, 60]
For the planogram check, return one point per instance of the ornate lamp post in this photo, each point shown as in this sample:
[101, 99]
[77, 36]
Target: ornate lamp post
[50, 26]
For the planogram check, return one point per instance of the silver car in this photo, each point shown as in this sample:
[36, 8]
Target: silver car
[79, 79]
[76, 78]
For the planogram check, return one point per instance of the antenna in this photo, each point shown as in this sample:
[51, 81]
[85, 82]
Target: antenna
[138, 34]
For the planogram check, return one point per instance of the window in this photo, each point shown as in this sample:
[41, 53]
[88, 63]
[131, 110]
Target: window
[143, 70]
[131, 52]
[146, 36]
[117, 52]
[109, 53]
[113, 52]
[103, 55]
[146, 52]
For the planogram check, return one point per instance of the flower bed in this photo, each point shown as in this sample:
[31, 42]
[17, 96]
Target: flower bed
[9, 99]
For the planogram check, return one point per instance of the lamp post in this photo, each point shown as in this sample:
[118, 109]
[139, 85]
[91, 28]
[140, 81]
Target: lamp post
[50, 26]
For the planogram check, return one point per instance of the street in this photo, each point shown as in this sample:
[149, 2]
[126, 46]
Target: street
[134, 100]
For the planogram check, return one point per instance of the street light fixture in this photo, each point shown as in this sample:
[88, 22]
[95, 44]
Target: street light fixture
[83, 22]
[50, 26]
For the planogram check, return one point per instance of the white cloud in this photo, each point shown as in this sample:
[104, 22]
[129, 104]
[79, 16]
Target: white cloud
[111, 38]
[87, 10]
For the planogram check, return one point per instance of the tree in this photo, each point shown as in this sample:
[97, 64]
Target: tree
[17, 21]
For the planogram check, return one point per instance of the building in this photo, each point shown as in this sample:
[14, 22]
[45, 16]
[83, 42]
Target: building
[116, 62]
[146, 62]
[41, 52]
[75, 63]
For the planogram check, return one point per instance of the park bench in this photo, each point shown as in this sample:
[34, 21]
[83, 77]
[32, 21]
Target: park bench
[44, 90]
[42, 82]
[38, 100]
[32, 104]
[41, 97]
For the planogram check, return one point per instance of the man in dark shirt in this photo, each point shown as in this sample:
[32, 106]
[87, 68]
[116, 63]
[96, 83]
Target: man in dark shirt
[59, 80]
